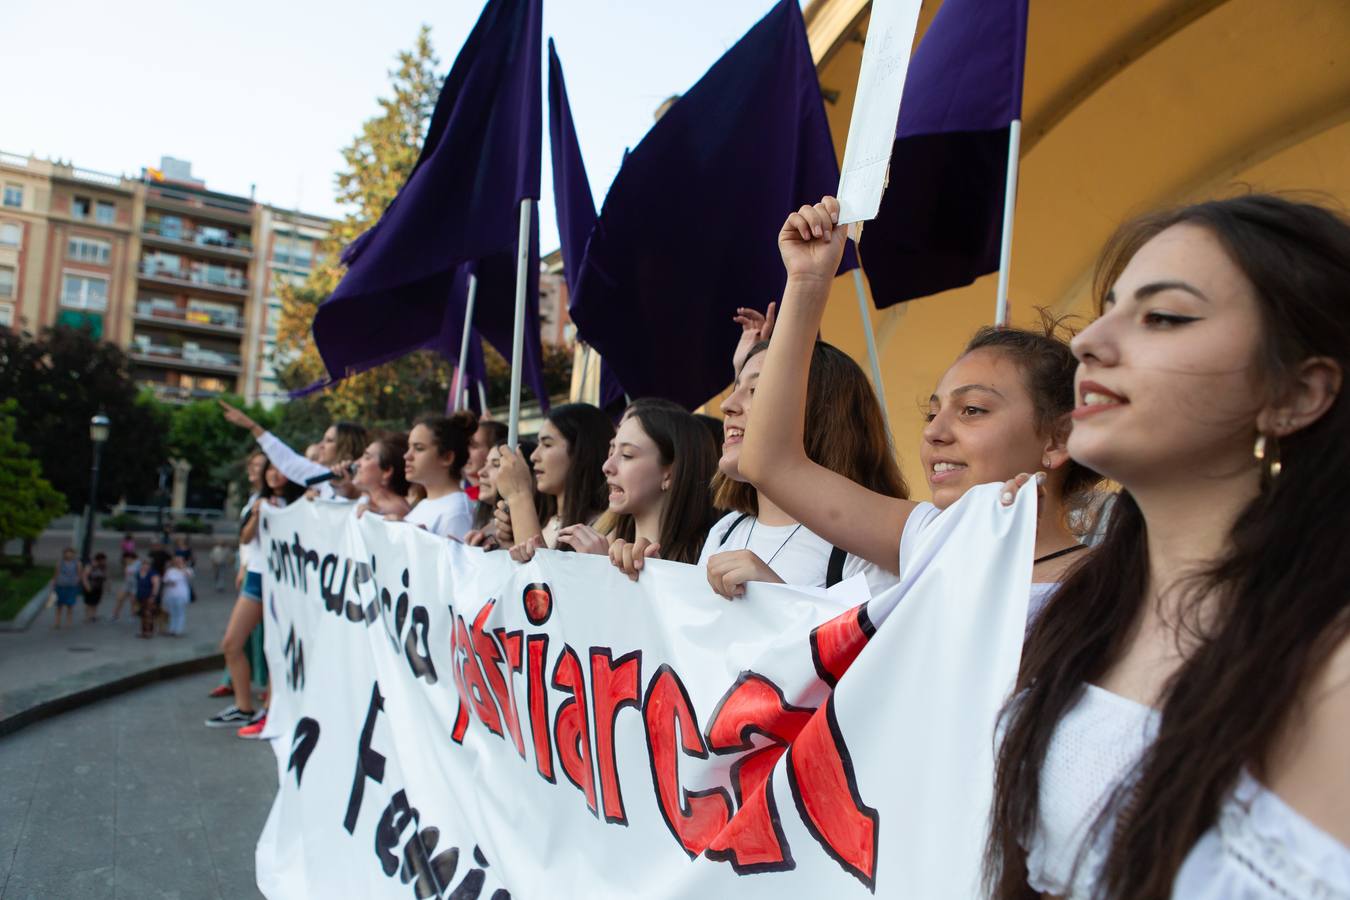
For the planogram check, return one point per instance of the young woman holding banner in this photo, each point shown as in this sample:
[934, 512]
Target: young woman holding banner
[1183, 706]
[566, 464]
[438, 449]
[660, 464]
[757, 541]
[1002, 408]
[381, 476]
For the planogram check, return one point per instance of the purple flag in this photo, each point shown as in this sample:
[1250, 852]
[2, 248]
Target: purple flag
[573, 199]
[687, 232]
[460, 204]
[941, 218]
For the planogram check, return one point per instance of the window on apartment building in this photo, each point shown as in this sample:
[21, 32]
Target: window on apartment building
[6, 281]
[10, 234]
[6, 315]
[14, 195]
[80, 207]
[105, 213]
[84, 249]
[84, 292]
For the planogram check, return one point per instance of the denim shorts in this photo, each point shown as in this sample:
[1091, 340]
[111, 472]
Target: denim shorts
[67, 594]
[253, 586]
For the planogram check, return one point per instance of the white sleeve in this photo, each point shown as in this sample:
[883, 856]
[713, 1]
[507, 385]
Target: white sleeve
[291, 464]
[919, 519]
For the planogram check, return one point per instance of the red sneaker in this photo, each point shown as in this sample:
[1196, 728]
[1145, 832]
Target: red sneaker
[251, 732]
[221, 690]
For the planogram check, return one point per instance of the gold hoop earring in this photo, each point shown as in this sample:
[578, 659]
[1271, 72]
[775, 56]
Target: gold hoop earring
[1267, 453]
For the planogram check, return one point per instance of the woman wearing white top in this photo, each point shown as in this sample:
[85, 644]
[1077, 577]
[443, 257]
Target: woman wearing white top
[438, 448]
[176, 594]
[1183, 709]
[1001, 408]
[342, 443]
[381, 476]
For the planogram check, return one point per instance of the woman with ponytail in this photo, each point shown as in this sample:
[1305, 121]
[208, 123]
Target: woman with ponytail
[1182, 715]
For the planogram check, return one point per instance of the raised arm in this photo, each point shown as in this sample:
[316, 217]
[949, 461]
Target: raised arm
[515, 485]
[291, 464]
[773, 456]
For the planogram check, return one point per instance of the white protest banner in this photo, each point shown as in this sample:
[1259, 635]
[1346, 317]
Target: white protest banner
[876, 108]
[451, 724]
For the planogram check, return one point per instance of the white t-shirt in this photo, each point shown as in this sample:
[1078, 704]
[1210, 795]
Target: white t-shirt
[176, 582]
[799, 556]
[448, 516]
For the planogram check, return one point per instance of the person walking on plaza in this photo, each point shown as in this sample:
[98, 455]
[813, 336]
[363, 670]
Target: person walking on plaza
[128, 544]
[95, 577]
[177, 594]
[147, 593]
[131, 567]
[66, 583]
[220, 558]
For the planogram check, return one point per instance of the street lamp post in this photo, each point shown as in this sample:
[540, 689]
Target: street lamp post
[98, 434]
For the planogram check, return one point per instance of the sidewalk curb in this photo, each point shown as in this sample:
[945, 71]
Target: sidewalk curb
[30, 611]
[58, 705]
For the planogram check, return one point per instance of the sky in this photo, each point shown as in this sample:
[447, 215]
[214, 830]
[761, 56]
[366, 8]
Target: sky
[265, 94]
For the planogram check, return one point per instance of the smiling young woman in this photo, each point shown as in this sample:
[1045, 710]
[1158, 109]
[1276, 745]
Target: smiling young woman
[1183, 707]
[1002, 408]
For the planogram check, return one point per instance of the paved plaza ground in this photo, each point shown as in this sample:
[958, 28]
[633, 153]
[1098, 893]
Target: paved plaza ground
[128, 795]
[132, 797]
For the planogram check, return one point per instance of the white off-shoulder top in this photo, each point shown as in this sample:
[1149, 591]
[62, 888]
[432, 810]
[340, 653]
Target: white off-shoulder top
[1260, 847]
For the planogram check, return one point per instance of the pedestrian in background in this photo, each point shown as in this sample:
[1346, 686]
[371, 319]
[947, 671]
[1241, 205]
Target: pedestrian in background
[220, 558]
[177, 594]
[147, 594]
[131, 565]
[95, 577]
[66, 583]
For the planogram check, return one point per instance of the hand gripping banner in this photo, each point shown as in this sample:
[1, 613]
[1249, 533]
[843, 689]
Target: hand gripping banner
[451, 724]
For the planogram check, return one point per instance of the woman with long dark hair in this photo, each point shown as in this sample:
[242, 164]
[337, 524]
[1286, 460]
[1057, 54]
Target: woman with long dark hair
[382, 477]
[658, 471]
[566, 465]
[342, 443]
[1182, 714]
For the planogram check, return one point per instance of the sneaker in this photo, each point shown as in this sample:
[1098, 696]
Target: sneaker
[221, 690]
[233, 717]
[252, 732]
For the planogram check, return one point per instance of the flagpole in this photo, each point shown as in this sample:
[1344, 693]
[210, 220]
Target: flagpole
[518, 337]
[1009, 203]
[464, 342]
[871, 344]
[482, 399]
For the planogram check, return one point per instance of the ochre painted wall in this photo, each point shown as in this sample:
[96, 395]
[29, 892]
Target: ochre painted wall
[1128, 106]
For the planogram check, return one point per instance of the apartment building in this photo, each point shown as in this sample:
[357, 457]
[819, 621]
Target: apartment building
[182, 277]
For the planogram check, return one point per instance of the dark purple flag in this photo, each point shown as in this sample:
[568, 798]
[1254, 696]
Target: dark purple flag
[573, 199]
[689, 229]
[460, 204]
[941, 218]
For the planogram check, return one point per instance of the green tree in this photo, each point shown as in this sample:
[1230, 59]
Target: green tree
[61, 378]
[199, 434]
[27, 500]
[377, 162]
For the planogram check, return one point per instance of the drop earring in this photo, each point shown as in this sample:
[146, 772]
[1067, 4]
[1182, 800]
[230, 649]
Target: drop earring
[1267, 454]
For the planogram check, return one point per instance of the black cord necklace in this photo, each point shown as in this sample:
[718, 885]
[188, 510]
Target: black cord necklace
[791, 535]
[1058, 553]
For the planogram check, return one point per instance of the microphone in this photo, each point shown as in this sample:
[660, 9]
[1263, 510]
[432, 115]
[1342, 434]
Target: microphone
[329, 476]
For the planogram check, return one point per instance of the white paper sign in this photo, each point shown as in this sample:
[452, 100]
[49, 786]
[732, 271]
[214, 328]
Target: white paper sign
[876, 108]
[448, 723]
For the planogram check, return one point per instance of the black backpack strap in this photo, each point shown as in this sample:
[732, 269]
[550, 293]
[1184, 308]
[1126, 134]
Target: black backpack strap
[834, 572]
[726, 535]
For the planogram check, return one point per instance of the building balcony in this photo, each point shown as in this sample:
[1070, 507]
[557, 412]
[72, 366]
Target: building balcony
[170, 393]
[190, 319]
[188, 356]
[196, 241]
[199, 205]
[233, 286]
